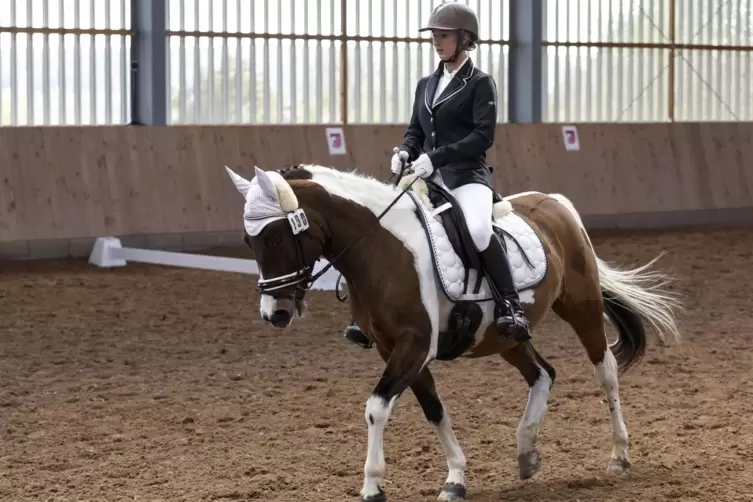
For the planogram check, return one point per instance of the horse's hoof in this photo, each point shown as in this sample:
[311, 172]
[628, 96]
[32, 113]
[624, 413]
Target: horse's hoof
[618, 466]
[377, 497]
[452, 491]
[529, 464]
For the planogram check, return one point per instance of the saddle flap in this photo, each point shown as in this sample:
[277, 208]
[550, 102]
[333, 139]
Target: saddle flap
[450, 256]
[453, 220]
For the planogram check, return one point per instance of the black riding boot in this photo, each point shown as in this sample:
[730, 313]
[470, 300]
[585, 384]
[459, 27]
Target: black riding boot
[356, 335]
[512, 321]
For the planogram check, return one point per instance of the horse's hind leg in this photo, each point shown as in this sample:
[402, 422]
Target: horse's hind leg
[426, 393]
[540, 376]
[584, 311]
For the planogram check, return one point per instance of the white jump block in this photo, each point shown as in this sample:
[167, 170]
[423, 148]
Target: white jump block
[109, 252]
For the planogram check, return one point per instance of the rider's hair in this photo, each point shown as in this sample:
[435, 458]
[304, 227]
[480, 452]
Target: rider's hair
[469, 44]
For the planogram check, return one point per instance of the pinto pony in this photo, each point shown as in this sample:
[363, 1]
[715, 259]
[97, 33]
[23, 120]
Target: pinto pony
[400, 295]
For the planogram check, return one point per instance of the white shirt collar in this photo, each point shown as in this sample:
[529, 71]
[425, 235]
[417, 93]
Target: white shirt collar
[451, 74]
[445, 79]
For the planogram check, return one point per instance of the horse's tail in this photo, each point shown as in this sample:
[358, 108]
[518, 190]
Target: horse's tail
[633, 297]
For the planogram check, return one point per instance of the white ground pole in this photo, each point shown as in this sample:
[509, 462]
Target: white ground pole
[109, 252]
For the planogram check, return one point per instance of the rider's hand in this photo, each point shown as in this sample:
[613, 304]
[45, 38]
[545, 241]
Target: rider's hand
[422, 166]
[398, 161]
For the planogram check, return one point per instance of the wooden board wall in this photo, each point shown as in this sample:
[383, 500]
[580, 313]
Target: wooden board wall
[71, 182]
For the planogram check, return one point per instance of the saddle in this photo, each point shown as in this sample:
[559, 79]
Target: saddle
[452, 218]
[457, 263]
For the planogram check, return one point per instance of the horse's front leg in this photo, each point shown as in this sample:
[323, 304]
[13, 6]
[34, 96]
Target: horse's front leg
[428, 397]
[404, 363]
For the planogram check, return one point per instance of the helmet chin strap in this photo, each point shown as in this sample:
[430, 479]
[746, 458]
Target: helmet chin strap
[459, 46]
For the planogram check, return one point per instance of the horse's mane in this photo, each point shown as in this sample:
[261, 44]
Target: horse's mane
[356, 186]
[369, 191]
[308, 171]
[295, 172]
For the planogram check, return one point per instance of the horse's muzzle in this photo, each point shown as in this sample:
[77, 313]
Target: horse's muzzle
[279, 319]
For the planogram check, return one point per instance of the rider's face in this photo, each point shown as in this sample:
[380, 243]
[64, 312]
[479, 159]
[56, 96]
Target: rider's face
[445, 43]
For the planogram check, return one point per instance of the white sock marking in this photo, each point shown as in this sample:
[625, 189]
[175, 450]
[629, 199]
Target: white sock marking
[456, 462]
[606, 375]
[528, 429]
[377, 414]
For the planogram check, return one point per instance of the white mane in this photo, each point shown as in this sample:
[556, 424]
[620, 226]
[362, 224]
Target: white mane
[359, 188]
[375, 195]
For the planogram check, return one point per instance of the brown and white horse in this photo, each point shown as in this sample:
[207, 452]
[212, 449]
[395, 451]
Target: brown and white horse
[297, 216]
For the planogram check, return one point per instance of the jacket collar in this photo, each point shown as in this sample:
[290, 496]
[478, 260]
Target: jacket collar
[458, 82]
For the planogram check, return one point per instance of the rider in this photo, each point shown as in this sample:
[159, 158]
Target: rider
[452, 126]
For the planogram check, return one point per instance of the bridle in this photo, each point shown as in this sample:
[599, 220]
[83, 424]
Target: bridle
[299, 223]
[302, 279]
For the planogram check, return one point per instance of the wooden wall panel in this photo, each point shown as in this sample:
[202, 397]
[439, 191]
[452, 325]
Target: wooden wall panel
[71, 182]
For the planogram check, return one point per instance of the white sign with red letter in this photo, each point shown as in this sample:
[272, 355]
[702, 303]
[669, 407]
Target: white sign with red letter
[570, 138]
[336, 141]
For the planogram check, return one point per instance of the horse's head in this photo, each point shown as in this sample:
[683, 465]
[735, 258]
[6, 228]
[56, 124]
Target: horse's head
[284, 242]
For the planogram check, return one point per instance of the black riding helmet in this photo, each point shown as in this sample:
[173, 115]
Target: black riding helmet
[455, 16]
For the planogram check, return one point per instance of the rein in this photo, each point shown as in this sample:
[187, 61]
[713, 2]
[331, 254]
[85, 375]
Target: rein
[313, 279]
[303, 280]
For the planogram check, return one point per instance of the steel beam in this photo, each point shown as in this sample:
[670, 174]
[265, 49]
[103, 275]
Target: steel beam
[149, 62]
[525, 77]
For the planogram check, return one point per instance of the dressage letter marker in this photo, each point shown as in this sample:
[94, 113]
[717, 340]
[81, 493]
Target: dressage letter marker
[336, 141]
[570, 138]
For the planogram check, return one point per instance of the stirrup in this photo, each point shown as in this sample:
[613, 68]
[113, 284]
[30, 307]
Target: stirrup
[512, 324]
[356, 335]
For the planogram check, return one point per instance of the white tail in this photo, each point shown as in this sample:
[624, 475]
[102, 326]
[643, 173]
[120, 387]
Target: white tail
[641, 289]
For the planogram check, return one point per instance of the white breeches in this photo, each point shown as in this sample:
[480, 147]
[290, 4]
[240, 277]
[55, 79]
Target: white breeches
[476, 201]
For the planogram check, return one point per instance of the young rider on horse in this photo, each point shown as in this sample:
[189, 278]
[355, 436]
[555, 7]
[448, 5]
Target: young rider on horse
[453, 123]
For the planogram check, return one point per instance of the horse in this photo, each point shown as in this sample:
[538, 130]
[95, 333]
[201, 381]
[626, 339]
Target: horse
[414, 292]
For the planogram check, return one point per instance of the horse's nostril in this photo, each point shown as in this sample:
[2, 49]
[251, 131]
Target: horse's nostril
[280, 318]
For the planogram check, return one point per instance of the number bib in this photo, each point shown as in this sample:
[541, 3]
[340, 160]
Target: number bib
[298, 221]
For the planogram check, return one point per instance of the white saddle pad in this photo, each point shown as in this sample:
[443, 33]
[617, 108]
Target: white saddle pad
[450, 268]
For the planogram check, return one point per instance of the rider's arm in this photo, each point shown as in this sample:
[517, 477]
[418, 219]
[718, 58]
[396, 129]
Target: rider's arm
[413, 140]
[482, 136]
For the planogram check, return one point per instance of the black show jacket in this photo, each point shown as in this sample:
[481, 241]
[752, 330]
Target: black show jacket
[457, 131]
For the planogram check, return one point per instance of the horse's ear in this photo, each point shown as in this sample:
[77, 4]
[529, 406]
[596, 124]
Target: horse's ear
[267, 185]
[241, 183]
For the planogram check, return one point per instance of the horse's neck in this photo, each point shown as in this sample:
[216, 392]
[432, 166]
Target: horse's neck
[357, 242]
[346, 226]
